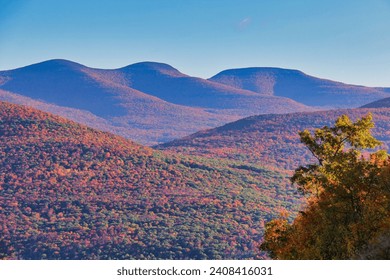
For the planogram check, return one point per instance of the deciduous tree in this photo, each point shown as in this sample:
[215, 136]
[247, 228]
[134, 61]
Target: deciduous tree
[347, 193]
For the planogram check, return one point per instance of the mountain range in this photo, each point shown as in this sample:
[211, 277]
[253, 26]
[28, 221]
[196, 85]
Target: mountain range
[118, 97]
[153, 103]
[222, 149]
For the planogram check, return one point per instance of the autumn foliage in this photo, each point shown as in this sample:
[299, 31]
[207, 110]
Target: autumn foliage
[272, 140]
[347, 214]
[71, 192]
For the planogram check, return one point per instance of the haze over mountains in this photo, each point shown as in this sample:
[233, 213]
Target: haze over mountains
[152, 103]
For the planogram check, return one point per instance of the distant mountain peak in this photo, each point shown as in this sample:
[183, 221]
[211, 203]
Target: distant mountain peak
[152, 65]
[303, 88]
[54, 64]
[155, 67]
[258, 70]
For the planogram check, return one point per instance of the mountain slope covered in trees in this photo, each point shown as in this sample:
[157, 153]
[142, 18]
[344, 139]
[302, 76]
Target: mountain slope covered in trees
[70, 192]
[271, 140]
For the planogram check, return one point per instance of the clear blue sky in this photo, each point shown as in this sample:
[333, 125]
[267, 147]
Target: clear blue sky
[344, 40]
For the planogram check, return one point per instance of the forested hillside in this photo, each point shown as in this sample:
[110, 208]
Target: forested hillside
[71, 192]
[271, 140]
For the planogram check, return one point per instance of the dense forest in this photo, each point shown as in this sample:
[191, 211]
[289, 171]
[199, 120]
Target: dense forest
[70, 192]
[346, 212]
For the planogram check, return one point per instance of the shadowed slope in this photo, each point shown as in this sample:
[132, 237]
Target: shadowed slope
[382, 103]
[63, 83]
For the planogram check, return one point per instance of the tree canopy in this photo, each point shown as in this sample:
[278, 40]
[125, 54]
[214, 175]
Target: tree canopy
[347, 194]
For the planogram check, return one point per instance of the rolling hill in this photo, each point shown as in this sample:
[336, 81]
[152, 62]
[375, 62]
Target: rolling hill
[271, 140]
[71, 192]
[300, 87]
[382, 103]
[81, 116]
[147, 102]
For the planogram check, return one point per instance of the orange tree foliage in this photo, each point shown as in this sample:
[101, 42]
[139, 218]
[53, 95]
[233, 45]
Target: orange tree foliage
[71, 192]
[348, 198]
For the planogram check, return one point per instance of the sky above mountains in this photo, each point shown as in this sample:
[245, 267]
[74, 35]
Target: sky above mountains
[340, 40]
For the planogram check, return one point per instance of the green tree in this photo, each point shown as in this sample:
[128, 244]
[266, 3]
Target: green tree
[347, 196]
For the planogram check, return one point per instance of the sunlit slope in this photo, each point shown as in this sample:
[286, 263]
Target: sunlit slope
[71, 192]
[271, 140]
